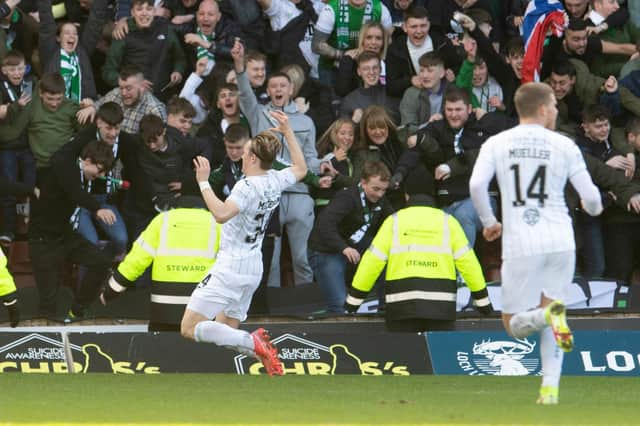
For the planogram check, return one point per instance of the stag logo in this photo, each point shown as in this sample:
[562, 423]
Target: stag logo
[501, 358]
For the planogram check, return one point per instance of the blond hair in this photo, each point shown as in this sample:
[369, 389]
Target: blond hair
[530, 97]
[363, 32]
[265, 146]
[296, 76]
[328, 140]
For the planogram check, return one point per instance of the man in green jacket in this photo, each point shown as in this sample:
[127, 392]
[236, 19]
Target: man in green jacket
[52, 119]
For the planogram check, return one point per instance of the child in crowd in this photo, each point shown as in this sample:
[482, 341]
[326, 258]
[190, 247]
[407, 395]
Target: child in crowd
[485, 91]
[16, 160]
[422, 105]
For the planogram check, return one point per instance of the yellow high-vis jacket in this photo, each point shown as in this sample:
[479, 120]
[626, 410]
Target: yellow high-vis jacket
[422, 247]
[182, 244]
[7, 286]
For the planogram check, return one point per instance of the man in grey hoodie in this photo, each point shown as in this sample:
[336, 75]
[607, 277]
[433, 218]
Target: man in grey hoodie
[296, 206]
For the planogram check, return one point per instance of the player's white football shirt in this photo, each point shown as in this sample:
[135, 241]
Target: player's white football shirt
[532, 165]
[256, 197]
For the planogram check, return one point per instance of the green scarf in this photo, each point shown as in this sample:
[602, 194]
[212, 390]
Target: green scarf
[70, 70]
[201, 51]
[342, 22]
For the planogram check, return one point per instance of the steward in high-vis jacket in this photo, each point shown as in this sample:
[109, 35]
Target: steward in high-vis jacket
[422, 247]
[8, 294]
[182, 244]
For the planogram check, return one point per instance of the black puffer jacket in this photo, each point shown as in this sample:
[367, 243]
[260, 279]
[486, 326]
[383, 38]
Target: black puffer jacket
[342, 217]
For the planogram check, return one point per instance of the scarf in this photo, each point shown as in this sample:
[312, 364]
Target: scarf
[359, 234]
[70, 70]
[74, 220]
[201, 52]
[342, 22]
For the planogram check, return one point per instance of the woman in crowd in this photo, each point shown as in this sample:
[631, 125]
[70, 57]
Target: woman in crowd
[372, 39]
[378, 142]
[335, 147]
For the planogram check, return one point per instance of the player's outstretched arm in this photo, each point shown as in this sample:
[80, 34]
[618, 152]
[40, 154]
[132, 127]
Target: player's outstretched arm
[221, 211]
[298, 164]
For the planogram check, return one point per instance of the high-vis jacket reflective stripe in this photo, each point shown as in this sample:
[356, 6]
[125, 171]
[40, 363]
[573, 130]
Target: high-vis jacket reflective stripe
[182, 244]
[421, 247]
[7, 286]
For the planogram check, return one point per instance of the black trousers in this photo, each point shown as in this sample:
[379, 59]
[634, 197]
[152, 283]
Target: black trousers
[622, 246]
[48, 257]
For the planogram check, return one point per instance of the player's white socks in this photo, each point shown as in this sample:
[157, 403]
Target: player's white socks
[525, 323]
[223, 335]
[551, 357]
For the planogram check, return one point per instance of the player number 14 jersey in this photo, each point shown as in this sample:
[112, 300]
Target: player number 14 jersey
[532, 165]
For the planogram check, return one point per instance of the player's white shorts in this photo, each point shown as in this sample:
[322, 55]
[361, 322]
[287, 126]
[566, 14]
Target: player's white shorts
[525, 279]
[226, 289]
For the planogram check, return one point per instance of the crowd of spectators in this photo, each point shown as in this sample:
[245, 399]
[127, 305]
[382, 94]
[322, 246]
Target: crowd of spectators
[380, 94]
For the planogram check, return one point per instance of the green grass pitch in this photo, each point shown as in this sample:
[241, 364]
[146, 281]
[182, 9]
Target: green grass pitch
[199, 399]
